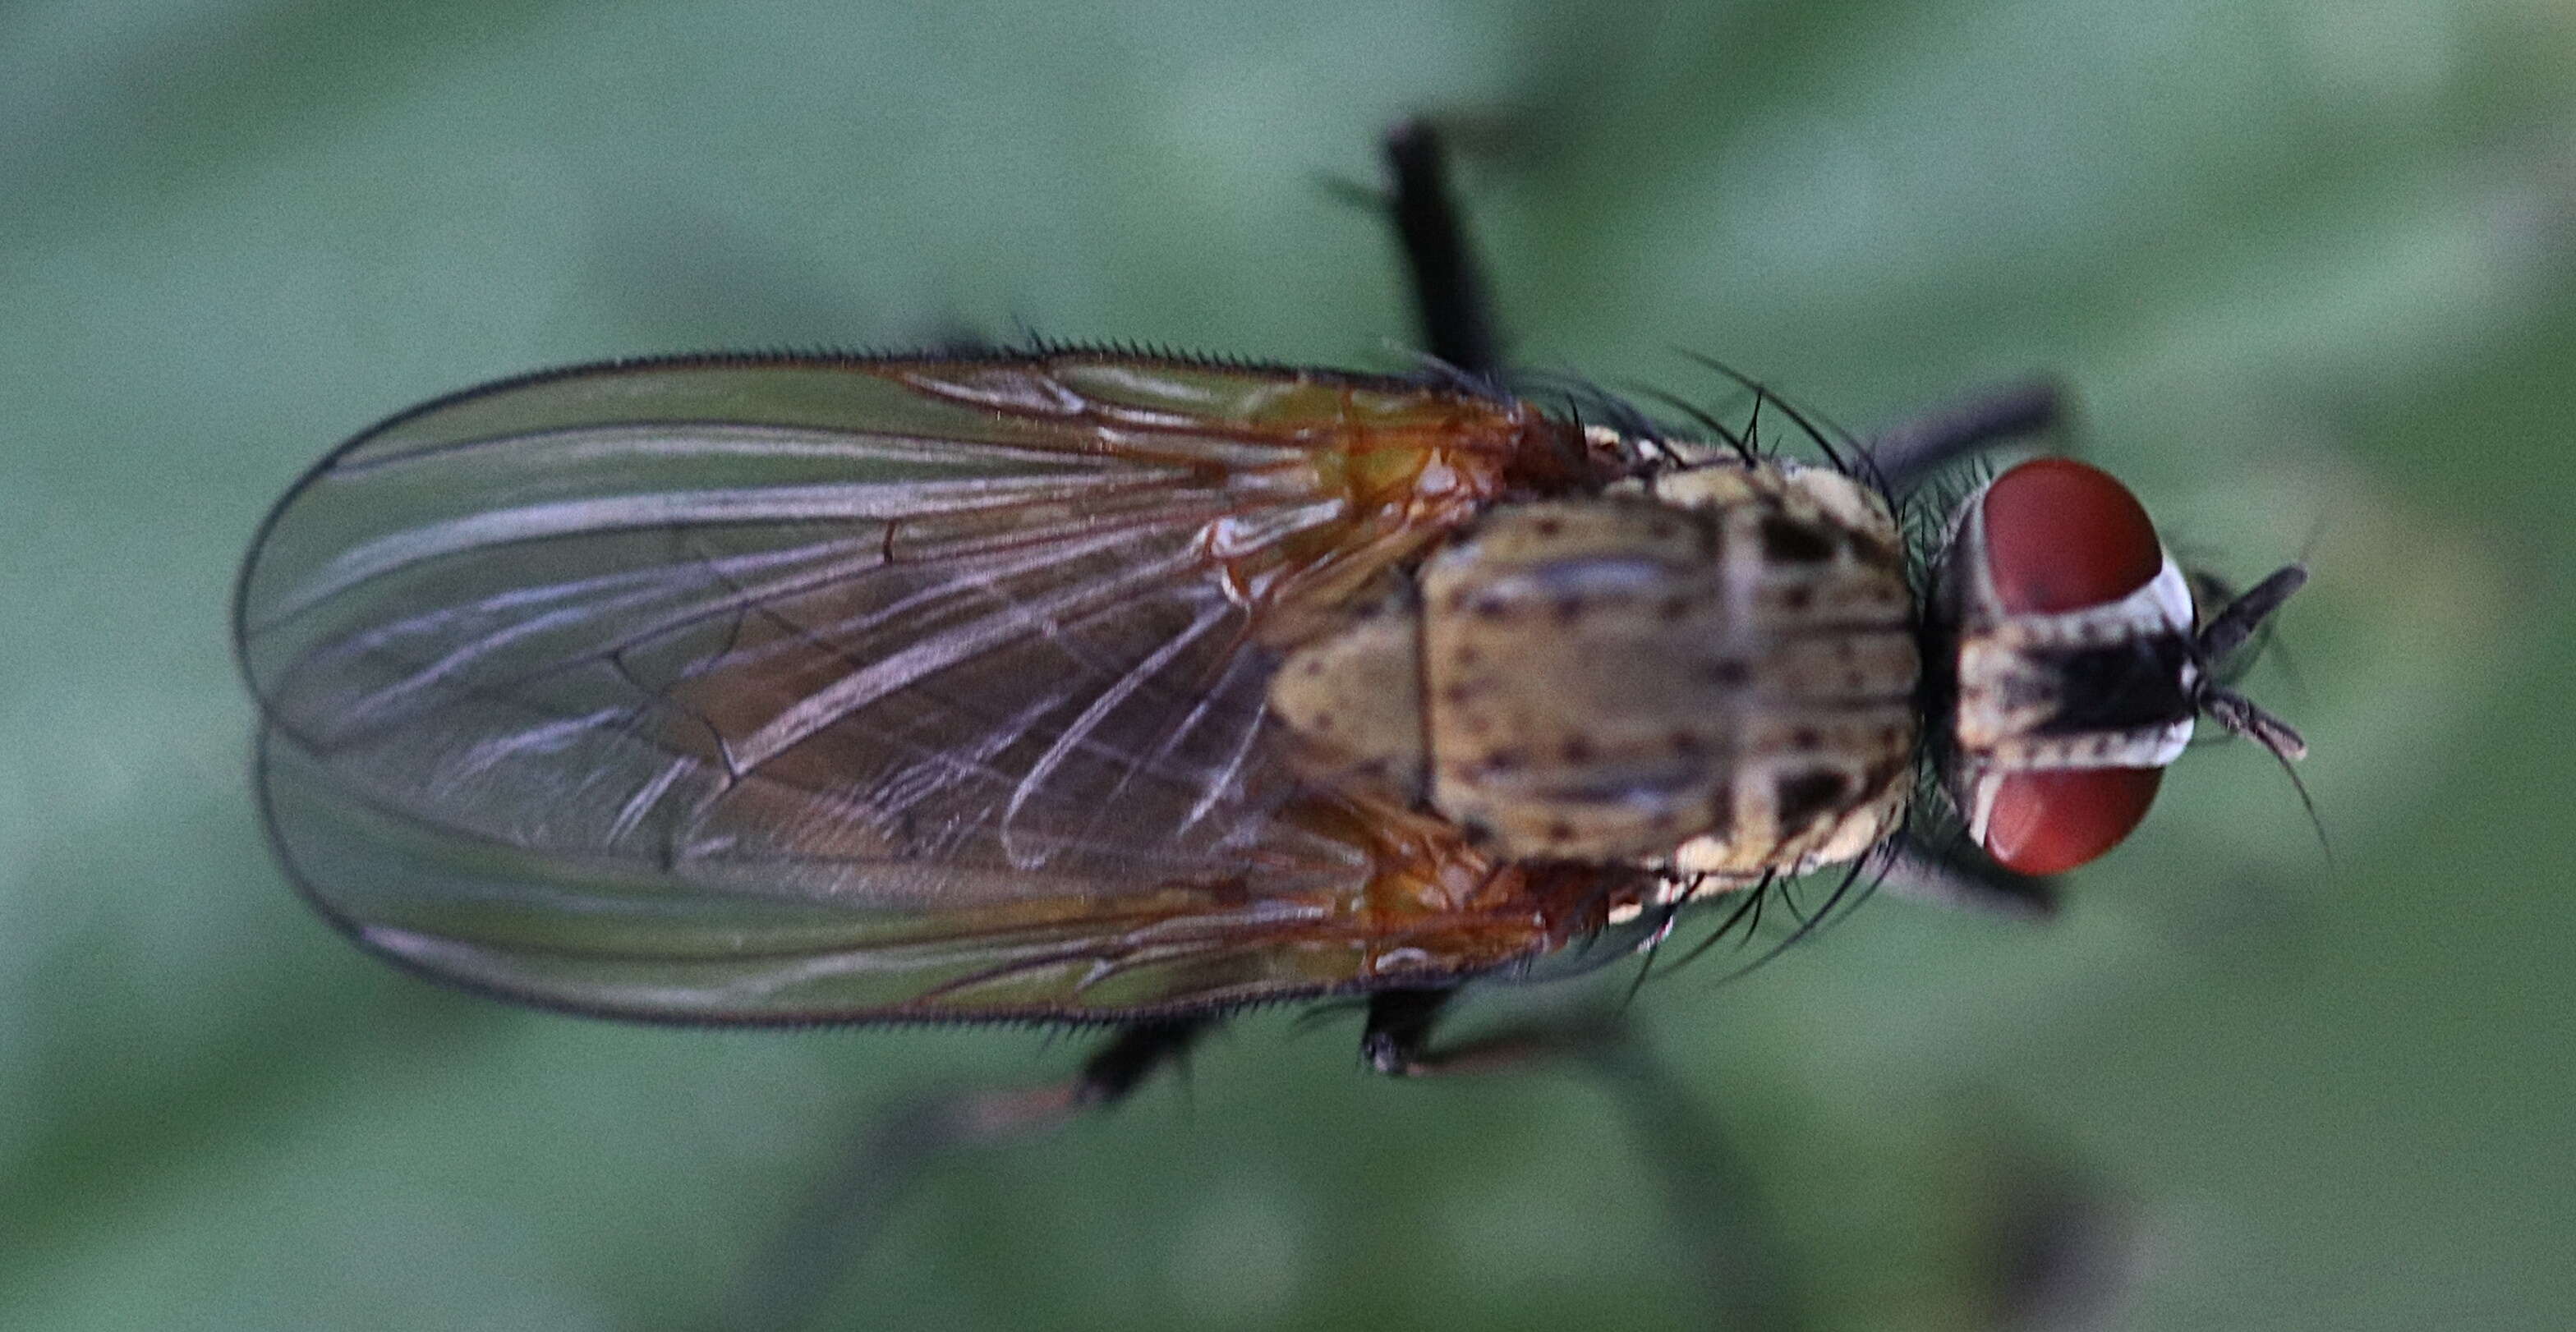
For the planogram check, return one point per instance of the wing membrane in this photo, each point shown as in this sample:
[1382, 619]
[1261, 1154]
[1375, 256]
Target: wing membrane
[795, 689]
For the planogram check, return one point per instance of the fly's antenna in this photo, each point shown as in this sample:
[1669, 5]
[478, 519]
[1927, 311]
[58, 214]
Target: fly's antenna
[2227, 632]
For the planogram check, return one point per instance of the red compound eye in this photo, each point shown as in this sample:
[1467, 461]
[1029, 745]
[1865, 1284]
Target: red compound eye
[2062, 535]
[2050, 821]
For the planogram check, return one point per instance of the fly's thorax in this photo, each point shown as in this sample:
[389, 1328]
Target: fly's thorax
[1720, 672]
[1830, 775]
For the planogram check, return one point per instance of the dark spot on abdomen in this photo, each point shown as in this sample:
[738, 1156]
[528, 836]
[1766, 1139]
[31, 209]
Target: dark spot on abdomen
[1792, 542]
[1727, 671]
[1807, 797]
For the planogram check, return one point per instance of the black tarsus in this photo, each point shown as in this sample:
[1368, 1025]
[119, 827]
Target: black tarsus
[1399, 1029]
[787, 1281]
[1727, 1220]
[1449, 300]
[1134, 1054]
[1397, 1038]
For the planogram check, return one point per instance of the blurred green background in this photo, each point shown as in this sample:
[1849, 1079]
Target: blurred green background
[2311, 265]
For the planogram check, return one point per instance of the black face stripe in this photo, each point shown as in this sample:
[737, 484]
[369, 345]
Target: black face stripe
[2117, 687]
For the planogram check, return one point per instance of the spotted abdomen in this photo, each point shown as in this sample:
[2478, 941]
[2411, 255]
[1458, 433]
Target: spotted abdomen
[1721, 674]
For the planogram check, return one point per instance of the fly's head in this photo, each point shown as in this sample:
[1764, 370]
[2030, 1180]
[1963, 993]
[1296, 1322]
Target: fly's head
[2072, 662]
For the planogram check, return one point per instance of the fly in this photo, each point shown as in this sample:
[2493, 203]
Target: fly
[1086, 686]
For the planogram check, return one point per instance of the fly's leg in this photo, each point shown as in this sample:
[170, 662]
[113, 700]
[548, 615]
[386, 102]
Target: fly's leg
[2046, 1247]
[993, 1118]
[787, 1281]
[1901, 458]
[1398, 1029]
[1449, 301]
[1718, 1206]
[1396, 1039]
[1134, 1055]
[1456, 321]
[1958, 875]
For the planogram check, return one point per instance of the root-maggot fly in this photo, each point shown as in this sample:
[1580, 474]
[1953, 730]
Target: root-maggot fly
[1088, 686]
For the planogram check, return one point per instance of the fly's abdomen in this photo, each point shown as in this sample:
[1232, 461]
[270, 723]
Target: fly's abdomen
[1721, 672]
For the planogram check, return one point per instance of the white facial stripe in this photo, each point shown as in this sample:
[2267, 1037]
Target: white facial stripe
[2167, 598]
[2171, 594]
[2162, 604]
[2177, 739]
[1981, 805]
[2142, 749]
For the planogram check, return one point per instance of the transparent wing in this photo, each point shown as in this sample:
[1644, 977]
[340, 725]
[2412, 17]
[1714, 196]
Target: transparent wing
[795, 689]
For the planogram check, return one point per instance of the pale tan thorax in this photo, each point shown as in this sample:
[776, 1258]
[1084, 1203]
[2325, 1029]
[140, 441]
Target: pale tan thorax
[1712, 671]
